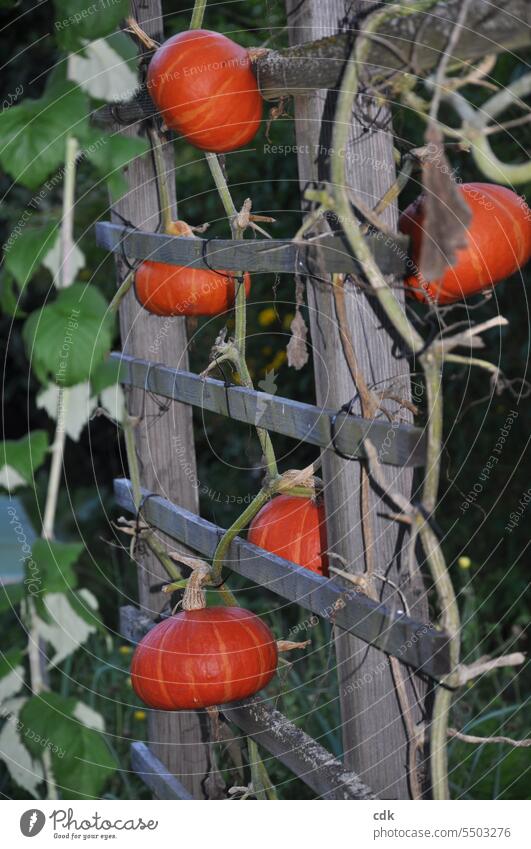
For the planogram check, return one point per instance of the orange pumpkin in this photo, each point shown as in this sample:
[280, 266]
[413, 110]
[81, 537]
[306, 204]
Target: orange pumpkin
[204, 87]
[173, 290]
[201, 658]
[499, 243]
[293, 527]
[165, 289]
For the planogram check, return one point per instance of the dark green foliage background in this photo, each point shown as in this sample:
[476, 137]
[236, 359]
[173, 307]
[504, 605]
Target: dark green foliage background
[491, 591]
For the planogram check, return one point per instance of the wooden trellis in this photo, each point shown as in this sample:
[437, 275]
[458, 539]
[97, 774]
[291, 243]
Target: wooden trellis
[387, 628]
[176, 760]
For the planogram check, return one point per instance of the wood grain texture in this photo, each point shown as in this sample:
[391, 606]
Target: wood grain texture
[374, 738]
[312, 763]
[267, 255]
[385, 626]
[402, 445]
[176, 740]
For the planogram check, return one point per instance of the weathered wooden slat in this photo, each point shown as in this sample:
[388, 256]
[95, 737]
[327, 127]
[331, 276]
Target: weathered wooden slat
[312, 763]
[385, 626]
[397, 445]
[162, 783]
[267, 255]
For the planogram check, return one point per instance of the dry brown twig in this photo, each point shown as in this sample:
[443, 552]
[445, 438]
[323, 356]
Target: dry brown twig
[486, 664]
[245, 219]
[134, 28]
[471, 738]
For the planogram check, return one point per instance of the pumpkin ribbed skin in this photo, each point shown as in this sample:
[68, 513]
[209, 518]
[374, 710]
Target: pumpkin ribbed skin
[294, 528]
[201, 658]
[499, 243]
[175, 290]
[204, 87]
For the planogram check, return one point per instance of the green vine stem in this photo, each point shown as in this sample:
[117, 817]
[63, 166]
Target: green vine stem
[128, 425]
[474, 131]
[161, 179]
[237, 526]
[240, 305]
[262, 787]
[58, 447]
[198, 14]
[450, 621]
[121, 292]
[432, 370]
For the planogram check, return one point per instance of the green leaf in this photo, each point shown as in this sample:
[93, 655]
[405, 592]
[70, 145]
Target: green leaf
[25, 455]
[53, 564]
[9, 660]
[68, 338]
[10, 596]
[9, 297]
[34, 132]
[81, 760]
[110, 154]
[80, 20]
[27, 252]
[106, 374]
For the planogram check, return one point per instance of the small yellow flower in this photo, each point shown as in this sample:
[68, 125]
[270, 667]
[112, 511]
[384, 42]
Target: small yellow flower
[464, 562]
[278, 360]
[139, 714]
[288, 318]
[125, 649]
[267, 317]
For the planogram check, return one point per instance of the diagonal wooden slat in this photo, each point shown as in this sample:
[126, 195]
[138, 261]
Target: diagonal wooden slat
[152, 771]
[312, 763]
[396, 445]
[388, 628]
[266, 255]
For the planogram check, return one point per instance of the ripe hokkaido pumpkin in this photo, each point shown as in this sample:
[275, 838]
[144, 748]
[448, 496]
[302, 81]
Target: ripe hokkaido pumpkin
[499, 243]
[293, 527]
[204, 87]
[177, 290]
[205, 657]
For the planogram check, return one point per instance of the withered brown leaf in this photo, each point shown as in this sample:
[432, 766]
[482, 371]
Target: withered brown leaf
[446, 213]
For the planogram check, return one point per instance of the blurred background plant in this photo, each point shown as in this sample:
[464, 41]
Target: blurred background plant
[47, 65]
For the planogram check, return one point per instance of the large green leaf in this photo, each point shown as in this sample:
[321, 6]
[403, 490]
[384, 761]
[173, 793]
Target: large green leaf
[28, 250]
[106, 374]
[33, 133]
[53, 562]
[110, 154]
[10, 596]
[23, 457]
[9, 297]
[81, 760]
[80, 20]
[68, 338]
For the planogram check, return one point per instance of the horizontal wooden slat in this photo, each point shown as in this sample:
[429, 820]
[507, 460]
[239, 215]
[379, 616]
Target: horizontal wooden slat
[384, 626]
[162, 783]
[397, 445]
[267, 255]
[312, 763]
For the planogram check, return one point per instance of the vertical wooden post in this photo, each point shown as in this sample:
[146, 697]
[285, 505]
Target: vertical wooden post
[374, 737]
[175, 738]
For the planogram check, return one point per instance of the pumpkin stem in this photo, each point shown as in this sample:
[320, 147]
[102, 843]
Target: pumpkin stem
[194, 595]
